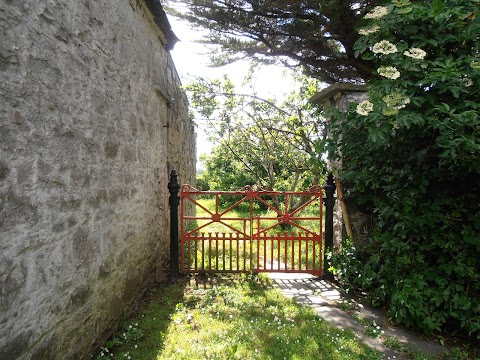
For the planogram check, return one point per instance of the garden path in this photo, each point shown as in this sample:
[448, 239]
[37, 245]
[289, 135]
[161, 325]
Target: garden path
[325, 298]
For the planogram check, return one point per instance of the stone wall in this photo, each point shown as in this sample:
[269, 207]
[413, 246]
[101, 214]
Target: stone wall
[91, 122]
[340, 96]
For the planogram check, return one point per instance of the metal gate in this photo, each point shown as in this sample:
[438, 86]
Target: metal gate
[252, 230]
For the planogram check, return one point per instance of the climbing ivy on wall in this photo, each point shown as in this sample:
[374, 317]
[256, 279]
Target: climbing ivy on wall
[411, 156]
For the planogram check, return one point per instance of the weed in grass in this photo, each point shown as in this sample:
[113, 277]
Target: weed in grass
[394, 344]
[373, 330]
[418, 355]
[346, 306]
[360, 319]
[456, 354]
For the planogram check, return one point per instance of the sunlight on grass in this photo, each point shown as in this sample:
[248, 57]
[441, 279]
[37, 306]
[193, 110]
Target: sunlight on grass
[238, 317]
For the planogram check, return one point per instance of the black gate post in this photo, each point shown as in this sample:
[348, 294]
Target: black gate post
[174, 201]
[329, 200]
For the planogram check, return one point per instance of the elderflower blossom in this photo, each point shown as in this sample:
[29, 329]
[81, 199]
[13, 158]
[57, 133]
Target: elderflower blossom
[396, 100]
[467, 82]
[415, 53]
[377, 12]
[389, 72]
[364, 108]
[475, 65]
[384, 47]
[368, 31]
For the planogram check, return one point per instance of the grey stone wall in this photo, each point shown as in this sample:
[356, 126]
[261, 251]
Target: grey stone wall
[340, 96]
[91, 122]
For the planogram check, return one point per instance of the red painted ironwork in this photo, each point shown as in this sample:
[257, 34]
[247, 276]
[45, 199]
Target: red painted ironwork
[253, 243]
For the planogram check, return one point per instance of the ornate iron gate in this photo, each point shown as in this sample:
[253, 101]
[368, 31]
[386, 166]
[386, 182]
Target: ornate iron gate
[269, 235]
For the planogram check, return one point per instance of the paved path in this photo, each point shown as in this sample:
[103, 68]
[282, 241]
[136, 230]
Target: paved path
[324, 297]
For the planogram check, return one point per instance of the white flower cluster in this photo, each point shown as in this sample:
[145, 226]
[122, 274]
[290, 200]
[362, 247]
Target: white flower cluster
[369, 30]
[364, 108]
[467, 82]
[389, 72]
[415, 53]
[377, 12]
[384, 47]
[394, 101]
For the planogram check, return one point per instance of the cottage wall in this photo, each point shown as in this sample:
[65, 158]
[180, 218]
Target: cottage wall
[91, 122]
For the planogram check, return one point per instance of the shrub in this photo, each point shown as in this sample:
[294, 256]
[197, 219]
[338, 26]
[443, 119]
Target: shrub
[411, 156]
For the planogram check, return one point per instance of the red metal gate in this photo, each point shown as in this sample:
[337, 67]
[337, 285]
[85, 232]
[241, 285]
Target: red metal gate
[251, 231]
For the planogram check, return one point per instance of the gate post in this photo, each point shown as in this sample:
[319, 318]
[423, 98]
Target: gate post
[329, 188]
[174, 201]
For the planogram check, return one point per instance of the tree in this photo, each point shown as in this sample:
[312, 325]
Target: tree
[317, 35]
[411, 154]
[258, 142]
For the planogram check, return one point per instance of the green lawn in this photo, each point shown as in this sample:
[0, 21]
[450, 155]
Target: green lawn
[235, 317]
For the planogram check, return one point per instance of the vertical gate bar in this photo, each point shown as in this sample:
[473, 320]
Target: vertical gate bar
[173, 187]
[217, 237]
[223, 253]
[271, 254]
[231, 254]
[209, 251]
[196, 252]
[203, 251]
[244, 243]
[293, 253]
[314, 255]
[299, 252]
[244, 254]
[285, 245]
[329, 203]
[258, 253]
[278, 250]
[265, 251]
[188, 253]
[306, 251]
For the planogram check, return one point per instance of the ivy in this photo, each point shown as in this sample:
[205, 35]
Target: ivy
[411, 156]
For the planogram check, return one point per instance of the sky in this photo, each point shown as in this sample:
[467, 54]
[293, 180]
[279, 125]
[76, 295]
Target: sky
[191, 60]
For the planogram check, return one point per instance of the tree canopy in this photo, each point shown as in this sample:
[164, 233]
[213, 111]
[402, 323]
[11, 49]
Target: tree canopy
[316, 34]
[257, 140]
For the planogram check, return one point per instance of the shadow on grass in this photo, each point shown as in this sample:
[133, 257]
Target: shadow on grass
[143, 336]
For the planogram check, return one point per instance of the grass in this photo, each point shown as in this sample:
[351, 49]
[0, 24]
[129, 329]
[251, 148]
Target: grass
[235, 317]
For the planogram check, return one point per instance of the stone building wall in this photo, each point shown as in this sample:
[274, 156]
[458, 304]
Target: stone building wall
[91, 122]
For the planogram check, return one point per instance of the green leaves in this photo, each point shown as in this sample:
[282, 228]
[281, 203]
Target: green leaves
[257, 140]
[413, 162]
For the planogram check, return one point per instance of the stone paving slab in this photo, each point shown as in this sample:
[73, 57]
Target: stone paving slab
[323, 296]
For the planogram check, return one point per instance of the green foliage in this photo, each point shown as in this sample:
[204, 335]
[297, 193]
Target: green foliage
[411, 155]
[395, 344]
[257, 141]
[130, 334]
[202, 183]
[318, 35]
